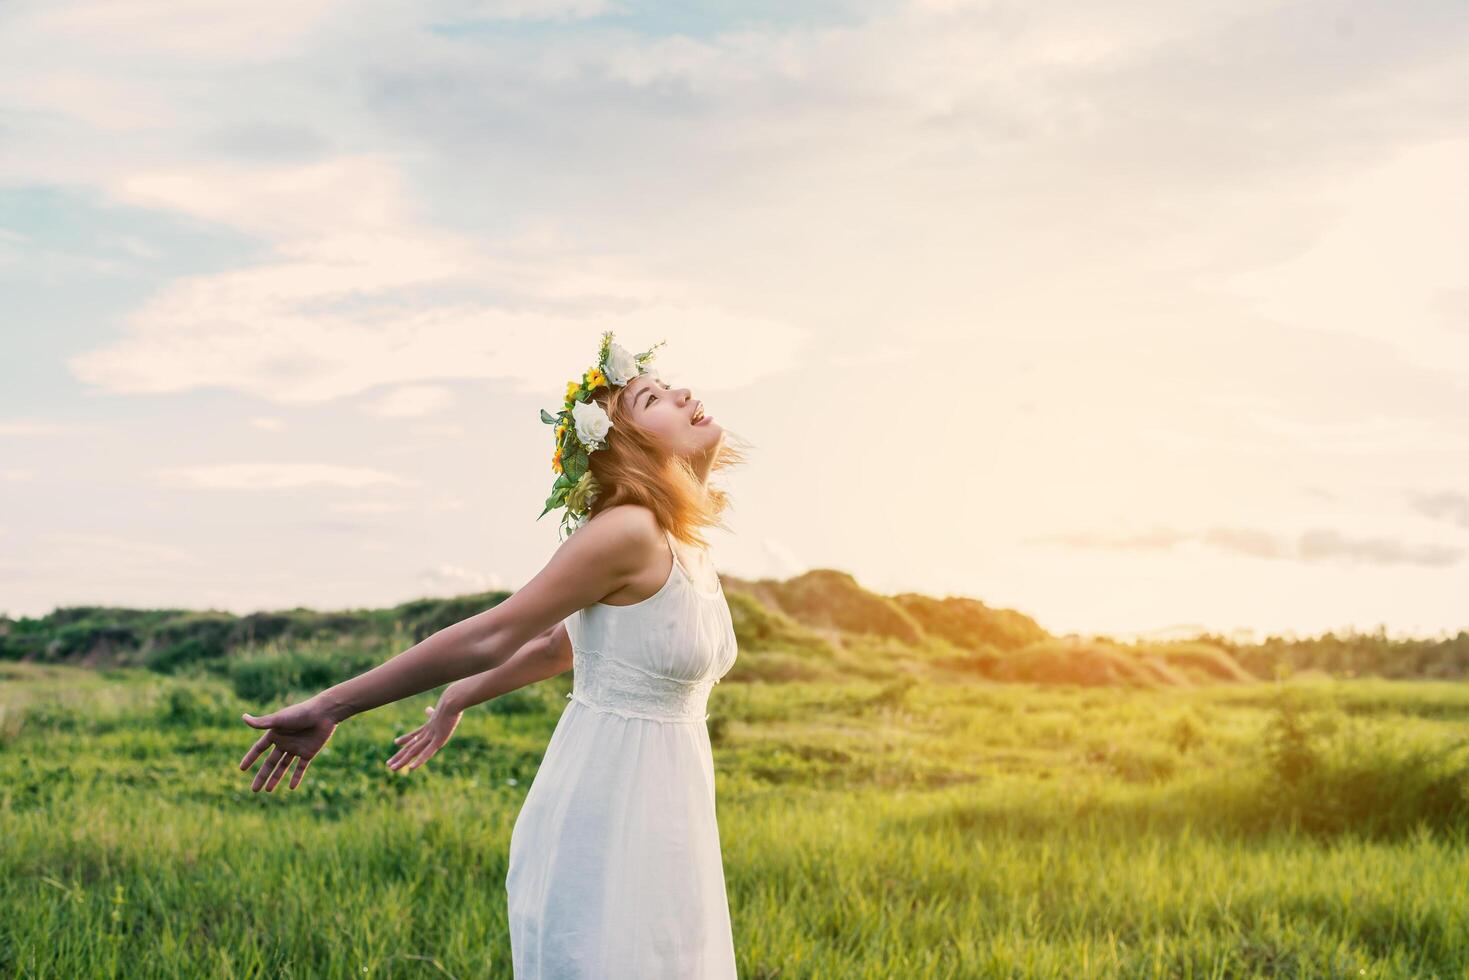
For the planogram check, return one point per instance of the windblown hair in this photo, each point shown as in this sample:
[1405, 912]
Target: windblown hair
[633, 468]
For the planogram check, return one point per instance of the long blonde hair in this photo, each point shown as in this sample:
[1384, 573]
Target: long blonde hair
[633, 468]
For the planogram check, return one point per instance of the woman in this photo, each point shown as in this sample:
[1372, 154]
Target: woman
[615, 867]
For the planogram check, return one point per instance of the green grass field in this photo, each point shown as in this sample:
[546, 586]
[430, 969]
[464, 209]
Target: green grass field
[869, 828]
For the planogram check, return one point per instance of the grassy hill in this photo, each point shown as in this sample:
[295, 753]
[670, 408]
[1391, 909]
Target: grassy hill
[821, 625]
[908, 786]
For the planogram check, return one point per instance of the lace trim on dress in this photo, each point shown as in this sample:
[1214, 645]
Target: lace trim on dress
[621, 688]
[625, 713]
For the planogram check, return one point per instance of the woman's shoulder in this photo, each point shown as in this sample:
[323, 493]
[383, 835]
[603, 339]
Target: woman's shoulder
[636, 520]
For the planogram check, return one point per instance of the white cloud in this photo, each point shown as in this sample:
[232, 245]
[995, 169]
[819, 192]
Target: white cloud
[1382, 267]
[107, 103]
[1312, 545]
[411, 401]
[442, 502]
[447, 429]
[369, 507]
[112, 551]
[203, 30]
[276, 476]
[42, 427]
[1047, 202]
[473, 10]
[449, 579]
[328, 320]
[319, 213]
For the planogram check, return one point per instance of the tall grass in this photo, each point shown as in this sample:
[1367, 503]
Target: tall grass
[870, 828]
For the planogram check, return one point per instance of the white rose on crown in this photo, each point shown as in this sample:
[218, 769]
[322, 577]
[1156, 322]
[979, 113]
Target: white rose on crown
[622, 366]
[592, 423]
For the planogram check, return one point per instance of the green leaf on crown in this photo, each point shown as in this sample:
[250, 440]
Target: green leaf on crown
[547, 417]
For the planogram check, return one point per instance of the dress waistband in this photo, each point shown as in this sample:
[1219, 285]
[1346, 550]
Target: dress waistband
[608, 684]
[626, 713]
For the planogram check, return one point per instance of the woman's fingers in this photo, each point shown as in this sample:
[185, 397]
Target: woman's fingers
[266, 769]
[430, 746]
[405, 738]
[410, 745]
[417, 746]
[280, 770]
[404, 752]
[255, 751]
[410, 760]
[301, 763]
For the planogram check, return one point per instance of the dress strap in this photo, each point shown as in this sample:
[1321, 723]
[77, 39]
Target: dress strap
[688, 576]
[674, 552]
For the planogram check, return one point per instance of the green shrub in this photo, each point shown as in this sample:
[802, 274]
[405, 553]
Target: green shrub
[195, 706]
[168, 660]
[1185, 734]
[521, 701]
[262, 678]
[1328, 777]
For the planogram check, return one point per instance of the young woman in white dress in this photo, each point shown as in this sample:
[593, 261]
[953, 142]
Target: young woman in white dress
[614, 863]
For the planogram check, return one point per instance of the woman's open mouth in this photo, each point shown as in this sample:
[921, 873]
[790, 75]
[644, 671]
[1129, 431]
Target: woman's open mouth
[699, 417]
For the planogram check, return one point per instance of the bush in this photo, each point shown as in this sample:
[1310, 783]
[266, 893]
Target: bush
[196, 706]
[91, 637]
[1326, 777]
[167, 660]
[266, 677]
[522, 701]
[1185, 734]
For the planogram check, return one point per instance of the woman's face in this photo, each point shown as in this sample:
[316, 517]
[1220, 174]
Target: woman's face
[674, 416]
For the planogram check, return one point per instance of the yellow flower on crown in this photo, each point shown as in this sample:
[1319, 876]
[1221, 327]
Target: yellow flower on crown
[595, 379]
[556, 460]
[572, 387]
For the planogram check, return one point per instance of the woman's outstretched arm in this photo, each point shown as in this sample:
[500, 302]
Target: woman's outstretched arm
[545, 656]
[596, 560]
[601, 557]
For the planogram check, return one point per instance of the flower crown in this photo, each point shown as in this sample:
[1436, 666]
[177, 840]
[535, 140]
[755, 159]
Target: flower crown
[582, 426]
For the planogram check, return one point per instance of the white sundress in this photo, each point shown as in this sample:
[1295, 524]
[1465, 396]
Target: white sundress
[615, 869]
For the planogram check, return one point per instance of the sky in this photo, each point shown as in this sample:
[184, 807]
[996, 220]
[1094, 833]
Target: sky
[1142, 318]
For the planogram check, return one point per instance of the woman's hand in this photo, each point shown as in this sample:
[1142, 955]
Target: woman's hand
[420, 744]
[296, 733]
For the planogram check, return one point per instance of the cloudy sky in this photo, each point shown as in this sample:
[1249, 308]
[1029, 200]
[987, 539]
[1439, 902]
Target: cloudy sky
[1135, 316]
